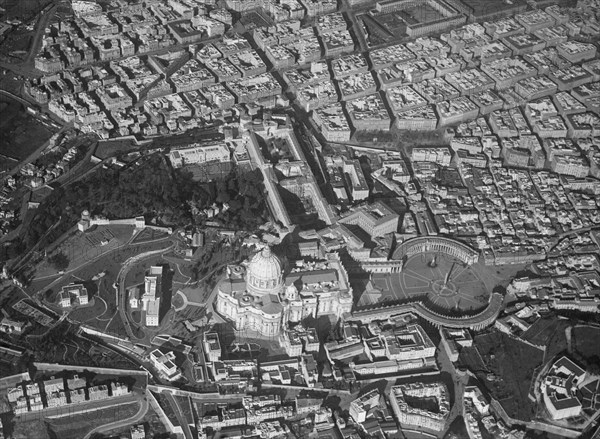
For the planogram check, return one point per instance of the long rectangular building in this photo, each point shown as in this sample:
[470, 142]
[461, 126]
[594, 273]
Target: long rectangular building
[200, 154]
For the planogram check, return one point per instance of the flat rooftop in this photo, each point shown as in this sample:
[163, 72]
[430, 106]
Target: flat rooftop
[487, 7]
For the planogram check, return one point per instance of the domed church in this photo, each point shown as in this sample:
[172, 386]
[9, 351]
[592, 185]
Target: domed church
[257, 295]
[264, 274]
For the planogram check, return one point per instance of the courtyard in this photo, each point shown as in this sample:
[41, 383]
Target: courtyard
[438, 280]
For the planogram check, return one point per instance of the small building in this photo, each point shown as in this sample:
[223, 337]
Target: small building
[64, 299]
[73, 293]
[152, 312]
[83, 225]
[453, 340]
[119, 389]
[164, 362]
[9, 326]
[360, 406]
[77, 395]
[134, 297]
[137, 432]
[76, 383]
[212, 347]
[305, 406]
[98, 392]
[54, 385]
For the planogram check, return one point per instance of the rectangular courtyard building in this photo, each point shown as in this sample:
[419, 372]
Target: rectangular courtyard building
[419, 119]
[316, 95]
[484, 10]
[404, 401]
[535, 20]
[457, 110]
[436, 90]
[444, 66]
[404, 98]
[198, 154]
[487, 101]
[413, 71]
[356, 86]
[506, 72]
[571, 77]
[423, 17]
[349, 65]
[255, 88]
[470, 81]
[503, 28]
[333, 123]
[409, 343]
[575, 51]
[368, 113]
[390, 55]
[524, 43]
[376, 219]
[74, 293]
[315, 73]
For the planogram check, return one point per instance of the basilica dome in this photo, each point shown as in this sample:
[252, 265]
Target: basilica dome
[264, 273]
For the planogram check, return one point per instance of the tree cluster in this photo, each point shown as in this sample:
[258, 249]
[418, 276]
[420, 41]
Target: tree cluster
[59, 261]
[244, 193]
[148, 188]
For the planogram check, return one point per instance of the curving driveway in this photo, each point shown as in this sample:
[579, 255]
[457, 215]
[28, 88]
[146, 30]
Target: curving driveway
[124, 422]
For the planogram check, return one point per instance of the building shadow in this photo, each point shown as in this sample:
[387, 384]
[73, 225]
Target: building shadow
[166, 291]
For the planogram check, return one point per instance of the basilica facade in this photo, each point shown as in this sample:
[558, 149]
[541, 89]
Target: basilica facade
[257, 296]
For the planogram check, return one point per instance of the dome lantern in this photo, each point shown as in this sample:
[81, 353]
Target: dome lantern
[264, 273]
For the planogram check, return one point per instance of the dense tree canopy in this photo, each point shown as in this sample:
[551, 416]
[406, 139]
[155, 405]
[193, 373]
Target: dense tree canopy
[150, 188]
[59, 261]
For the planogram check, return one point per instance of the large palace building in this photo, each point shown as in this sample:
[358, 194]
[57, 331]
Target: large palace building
[260, 298]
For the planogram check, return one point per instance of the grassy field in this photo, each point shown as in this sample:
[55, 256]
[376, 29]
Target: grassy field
[195, 293]
[85, 247]
[20, 133]
[116, 326]
[84, 314]
[115, 147]
[110, 263]
[31, 429]
[77, 426]
[152, 424]
[148, 235]
[165, 404]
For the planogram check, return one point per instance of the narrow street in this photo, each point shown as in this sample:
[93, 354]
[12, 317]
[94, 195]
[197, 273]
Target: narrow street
[459, 382]
[180, 416]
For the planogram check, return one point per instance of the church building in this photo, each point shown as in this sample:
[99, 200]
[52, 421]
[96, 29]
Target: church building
[259, 297]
